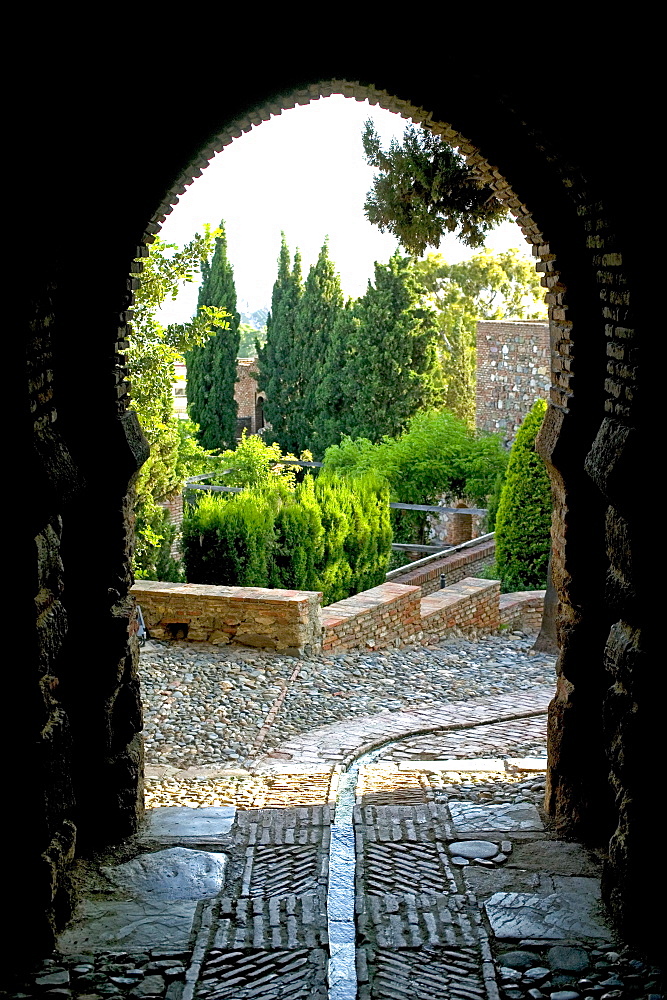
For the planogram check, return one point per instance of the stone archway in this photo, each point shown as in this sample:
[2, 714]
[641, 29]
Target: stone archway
[84, 757]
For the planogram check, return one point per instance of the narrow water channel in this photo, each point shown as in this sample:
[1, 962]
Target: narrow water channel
[342, 973]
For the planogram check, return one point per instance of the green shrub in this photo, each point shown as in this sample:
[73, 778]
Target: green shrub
[229, 540]
[329, 534]
[436, 456]
[154, 537]
[299, 547]
[524, 513]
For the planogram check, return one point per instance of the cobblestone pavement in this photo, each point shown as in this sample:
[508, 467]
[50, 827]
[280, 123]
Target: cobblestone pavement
[208, 705]
[373, 855]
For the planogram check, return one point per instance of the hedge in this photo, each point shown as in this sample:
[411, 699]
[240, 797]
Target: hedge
[523, 521]
[331, 534]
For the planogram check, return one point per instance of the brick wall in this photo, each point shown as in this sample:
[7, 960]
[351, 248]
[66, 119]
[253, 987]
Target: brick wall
[245, 394]
[388, 615]
[469, 605]
[454, 566]
[523, 609]
[284, 620]
[513, 370]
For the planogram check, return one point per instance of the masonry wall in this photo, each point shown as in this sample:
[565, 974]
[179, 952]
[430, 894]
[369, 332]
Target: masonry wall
[388, 615]
[513, 370]
[522, 609]
[284, 620]
[454, 567]
[245, 393]
[77, 778]
[467, 606]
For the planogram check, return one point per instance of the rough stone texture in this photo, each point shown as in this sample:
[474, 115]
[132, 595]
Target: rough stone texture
[284, 620]
[469, 817]
[183, 823]
[559, 916]
[132, 926]
[79, 449]
[177, 873]
[513, 370]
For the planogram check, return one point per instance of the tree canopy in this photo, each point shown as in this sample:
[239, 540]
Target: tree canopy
[489, 285]
[154, 350]
[278, 375]
[381, 367]
[424, 189]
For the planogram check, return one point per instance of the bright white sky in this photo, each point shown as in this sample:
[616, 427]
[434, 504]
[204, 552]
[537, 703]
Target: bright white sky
[303, 173]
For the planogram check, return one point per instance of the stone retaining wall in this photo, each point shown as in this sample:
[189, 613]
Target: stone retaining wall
[523, 609]
[467, 605]
[291, 622]
[284, 620]
[388, 615]
[455, 567]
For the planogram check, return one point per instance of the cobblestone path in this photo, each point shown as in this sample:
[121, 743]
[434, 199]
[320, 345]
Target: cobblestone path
[402, 855]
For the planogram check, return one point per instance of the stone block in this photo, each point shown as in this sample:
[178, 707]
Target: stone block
[554, 917]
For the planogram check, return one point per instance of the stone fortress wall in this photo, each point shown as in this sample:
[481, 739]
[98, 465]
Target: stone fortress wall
[513, 370]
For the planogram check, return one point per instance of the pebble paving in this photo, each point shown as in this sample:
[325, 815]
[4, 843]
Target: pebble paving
[206, 705]
[245, 884]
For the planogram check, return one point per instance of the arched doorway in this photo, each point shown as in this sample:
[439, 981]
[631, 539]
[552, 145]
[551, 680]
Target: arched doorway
[86, 722]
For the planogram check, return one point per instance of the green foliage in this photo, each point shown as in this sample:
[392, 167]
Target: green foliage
[250, 338]
[318, 310]
[151, 356]
[381, 367]
[278, 375]
[523, 521]
[487, 286]
[212, 365]
[154, 537]
[328, 534]
[228, 540]
[299, 546]
[253, 462]
[436, 456]
[424, 189]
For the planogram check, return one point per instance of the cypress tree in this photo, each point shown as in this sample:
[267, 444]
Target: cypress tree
[318, 309]
[339, 382]
[276, 360]
[523, 521]
[384, 361]
[212, 367]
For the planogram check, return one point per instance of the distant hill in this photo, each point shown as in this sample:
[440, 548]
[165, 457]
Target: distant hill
[256, 319]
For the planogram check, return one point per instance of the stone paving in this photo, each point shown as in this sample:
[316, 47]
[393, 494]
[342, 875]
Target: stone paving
[381, 855]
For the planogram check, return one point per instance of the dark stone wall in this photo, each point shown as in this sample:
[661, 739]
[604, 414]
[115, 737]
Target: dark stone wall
[98, 174]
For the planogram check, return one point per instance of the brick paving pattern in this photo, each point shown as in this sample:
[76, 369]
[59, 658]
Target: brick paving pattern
[418, 927]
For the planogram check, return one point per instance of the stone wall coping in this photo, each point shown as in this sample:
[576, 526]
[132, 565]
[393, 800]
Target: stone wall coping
[449, 562]
[535, 597]
[476, 545]
[365, 602]
[241, 595]
[468, 587]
